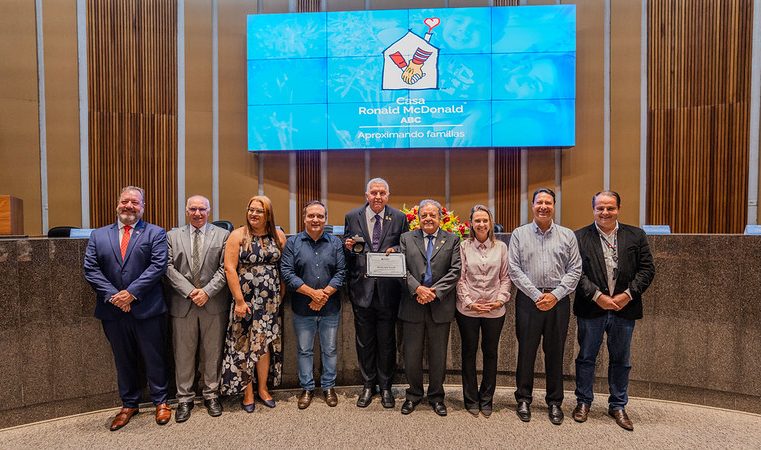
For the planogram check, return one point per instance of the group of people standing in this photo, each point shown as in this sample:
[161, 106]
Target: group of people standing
[607, 264]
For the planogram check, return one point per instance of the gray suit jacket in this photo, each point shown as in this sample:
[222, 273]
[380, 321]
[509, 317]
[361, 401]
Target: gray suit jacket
[179, 278]
[445, 267]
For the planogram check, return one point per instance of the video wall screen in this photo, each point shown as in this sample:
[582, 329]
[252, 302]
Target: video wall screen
[432, 78]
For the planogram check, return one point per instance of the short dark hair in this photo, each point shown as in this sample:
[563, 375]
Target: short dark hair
[607, 194]
[312, 203]
[543, 190]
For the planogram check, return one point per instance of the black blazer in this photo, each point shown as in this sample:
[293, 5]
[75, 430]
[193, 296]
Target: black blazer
[360, 287]
[635, 271]
[445, 268]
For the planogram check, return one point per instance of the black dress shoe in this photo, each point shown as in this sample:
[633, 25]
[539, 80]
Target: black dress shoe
[387, 398]
[439, 408]
[556, 414]
[524, 411]
[486, 409]
[365, 397]
[183, 411]
[408, 406]
[213, 407]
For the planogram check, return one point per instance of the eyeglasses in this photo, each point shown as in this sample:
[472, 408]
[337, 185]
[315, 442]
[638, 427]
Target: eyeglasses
[257, 211]
[200, 210]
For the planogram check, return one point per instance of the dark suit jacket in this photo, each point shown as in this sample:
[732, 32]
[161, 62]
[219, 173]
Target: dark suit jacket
[635, 271]
[140, 273]
[445, 267]
[360, 287]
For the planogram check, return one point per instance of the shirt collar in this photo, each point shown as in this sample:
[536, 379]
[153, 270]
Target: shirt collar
[121, 225]
[305, 236]
[539, 230]
[370, 214]
[602, 233]
[485, 245]
[435, 233]
[202, 229]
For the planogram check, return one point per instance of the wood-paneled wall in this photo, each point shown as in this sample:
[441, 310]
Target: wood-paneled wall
[507, 187]
[132, 88]
[699, 55]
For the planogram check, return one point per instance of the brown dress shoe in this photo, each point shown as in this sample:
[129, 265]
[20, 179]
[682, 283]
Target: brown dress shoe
[581, 412]
[163, 414]
[622, 419]
[121, 419]
[330, 397]
[305, 399]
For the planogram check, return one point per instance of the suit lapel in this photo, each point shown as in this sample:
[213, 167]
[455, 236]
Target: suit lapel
[363, 225]
[137, 233]
[621, 249]
[387, 219]
[185, 243]
[441, 239]
[599, 260]
[418, 238]
[209, 236]
[113, 235]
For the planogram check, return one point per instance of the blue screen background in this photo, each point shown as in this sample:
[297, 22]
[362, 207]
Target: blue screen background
[511, 70]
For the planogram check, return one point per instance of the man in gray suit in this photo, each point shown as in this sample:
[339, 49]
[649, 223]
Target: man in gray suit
[433, 268]
[198, 303]
[375, 300]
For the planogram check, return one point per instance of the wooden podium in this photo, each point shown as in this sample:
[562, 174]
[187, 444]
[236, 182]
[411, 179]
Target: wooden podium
[11, 215]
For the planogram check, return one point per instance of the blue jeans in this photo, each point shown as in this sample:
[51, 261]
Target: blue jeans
[590, 332]
[305, 328]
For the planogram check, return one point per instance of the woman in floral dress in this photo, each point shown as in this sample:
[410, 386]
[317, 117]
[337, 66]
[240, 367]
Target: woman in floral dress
[252, 256]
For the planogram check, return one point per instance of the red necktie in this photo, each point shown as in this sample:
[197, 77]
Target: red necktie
[125, 240]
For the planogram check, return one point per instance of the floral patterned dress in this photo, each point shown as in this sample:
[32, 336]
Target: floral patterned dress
[257, 333]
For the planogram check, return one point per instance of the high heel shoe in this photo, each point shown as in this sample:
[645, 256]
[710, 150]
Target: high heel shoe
[248, 408]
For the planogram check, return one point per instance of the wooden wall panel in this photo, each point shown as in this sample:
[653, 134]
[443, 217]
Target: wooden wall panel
[19, 119]
[307, 180]
[132, 73]
[507, 187]
[62, 113]
[698, 111]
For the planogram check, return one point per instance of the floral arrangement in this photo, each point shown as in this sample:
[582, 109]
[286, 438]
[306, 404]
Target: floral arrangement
[449, 221]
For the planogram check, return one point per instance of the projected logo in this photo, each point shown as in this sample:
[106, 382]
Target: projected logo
[412, 62]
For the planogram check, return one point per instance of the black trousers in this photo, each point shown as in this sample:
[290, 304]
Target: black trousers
[549, 327]
[375, 330]
[489, 330]
[414, 337]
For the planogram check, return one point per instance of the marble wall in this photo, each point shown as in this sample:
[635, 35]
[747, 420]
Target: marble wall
[698, 342]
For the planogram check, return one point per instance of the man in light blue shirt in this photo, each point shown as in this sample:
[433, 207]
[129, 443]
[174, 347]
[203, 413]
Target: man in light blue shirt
[545, 266]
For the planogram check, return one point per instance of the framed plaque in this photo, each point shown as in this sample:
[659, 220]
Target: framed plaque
[381, 265]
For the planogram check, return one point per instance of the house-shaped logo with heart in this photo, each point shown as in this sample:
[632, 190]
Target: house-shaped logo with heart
[412, 62]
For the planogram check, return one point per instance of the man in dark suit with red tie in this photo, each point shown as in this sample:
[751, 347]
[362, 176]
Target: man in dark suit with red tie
[617, 269]
[375, 301]
[124, 264]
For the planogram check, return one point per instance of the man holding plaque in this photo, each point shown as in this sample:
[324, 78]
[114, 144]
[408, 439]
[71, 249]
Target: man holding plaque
[433, 268]
[374, 227]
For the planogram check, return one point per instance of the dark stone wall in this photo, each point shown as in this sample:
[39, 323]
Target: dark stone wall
[698, 342]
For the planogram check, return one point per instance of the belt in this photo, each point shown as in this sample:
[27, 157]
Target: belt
[546, 290]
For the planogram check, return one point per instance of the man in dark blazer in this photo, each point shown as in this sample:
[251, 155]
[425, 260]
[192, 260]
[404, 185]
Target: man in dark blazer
[433, 268]
[375, 301]
[124, 263]
[617, 269]
[199, 303]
